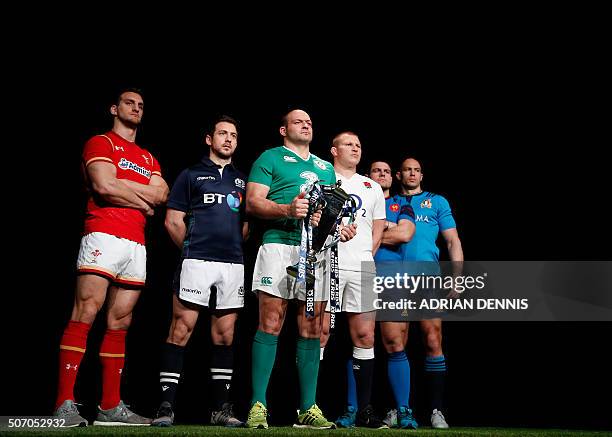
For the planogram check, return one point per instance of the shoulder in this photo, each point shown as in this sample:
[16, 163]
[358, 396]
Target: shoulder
[322, 164]
[100, 139]
[435, 197]
[271, 153]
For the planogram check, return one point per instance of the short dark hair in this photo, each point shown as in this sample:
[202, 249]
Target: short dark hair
[210, 130]
[127, 90]
[412, 157]
[380, 160]
[285, 117]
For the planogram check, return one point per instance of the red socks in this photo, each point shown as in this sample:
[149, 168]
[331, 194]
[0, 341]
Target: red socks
[72, 348]
[112, 357]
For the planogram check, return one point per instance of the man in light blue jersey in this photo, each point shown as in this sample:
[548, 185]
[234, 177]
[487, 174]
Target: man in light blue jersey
[433, 216]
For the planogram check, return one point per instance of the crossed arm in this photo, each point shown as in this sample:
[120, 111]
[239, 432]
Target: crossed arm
[121, 192]
[399, 233]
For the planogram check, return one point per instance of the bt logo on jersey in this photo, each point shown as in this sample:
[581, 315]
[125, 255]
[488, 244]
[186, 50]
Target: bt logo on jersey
[213, 198]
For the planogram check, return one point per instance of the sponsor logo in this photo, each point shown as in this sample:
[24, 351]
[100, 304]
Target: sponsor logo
[165, 387]
[320, 164]
[426, 203]
[124, 164]
[421, 218]
[206, 178]
[394, 207]
[289, 158]
[146, 158]
[367, 184]
[266, 280]
[70, 366]
[239, 183]
[358, 202]
[191, 290]
[227, 386]
[234, 199]
[241, 291]
[212, 198]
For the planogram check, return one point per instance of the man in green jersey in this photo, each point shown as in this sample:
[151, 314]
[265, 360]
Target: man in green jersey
[275, 193]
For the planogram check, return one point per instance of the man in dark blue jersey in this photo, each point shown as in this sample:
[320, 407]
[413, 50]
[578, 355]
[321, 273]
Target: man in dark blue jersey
[205, 218]
[399, 230]
[433, 216]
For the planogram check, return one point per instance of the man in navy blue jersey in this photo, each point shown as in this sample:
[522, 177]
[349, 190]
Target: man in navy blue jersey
[205, 218]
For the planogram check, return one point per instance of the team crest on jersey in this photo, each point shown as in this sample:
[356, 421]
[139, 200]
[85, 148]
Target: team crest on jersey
[367, 184]
[426, 203]
[394, 207]
[124, 164]
[239, 183]
[320, 164]
[96, 253]
[289, 158]
[311, 178]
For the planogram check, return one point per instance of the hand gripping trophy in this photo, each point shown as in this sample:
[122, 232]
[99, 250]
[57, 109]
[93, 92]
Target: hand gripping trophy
[334, 204]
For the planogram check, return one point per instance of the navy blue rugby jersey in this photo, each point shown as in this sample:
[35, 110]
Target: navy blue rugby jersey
[214, 202]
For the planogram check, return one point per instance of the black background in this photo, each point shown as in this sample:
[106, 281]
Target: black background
[514, 146]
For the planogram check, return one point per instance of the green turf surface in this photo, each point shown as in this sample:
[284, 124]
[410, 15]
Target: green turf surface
[192, 430]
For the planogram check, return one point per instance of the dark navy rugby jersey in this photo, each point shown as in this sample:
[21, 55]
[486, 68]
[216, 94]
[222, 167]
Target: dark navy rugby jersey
[214, 204]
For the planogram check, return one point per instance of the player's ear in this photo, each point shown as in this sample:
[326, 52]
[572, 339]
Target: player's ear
[283, 131]
[113, 110]
[334, 151]
[398, 175]
[208, 140]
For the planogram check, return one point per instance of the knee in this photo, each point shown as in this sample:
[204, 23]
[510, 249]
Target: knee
[224, 338]
[310, 328]
[393, 343]
[324, 337]
[115, 322]
[433, 342]
[271, 323]
[364, 339]
[179, 332]
[85, 311]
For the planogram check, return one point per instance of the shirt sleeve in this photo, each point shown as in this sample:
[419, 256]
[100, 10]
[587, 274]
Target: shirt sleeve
[98, 148]
[262, 170]
[380, 210]
[180, 195]
[445, 216]
[406, 212]
[155, 168]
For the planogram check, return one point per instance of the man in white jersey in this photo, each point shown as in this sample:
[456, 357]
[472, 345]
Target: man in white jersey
[356, 275]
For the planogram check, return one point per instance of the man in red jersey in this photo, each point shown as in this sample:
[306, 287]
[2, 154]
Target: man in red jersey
[125, 184]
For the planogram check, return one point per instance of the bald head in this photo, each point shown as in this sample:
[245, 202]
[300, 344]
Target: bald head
[410, 174]
[296, 128]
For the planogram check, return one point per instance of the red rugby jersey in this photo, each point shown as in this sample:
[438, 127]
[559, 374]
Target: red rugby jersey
[132, 162]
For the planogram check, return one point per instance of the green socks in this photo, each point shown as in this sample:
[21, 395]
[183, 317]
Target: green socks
[308, 353]
[264, 354]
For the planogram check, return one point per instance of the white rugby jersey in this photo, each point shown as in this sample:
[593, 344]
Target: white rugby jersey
[370, 202]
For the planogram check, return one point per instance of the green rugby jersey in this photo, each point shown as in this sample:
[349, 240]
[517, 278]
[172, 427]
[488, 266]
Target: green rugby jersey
[287, 174]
